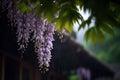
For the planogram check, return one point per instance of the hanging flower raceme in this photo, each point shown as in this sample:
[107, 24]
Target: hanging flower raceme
[44, 44]
[27, 23]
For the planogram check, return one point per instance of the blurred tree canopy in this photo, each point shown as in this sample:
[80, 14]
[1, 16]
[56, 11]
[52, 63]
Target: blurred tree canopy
[65, 13]
[110, 50]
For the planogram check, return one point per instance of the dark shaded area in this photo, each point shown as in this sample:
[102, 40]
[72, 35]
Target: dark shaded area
[115, 1]
[11, 69]
[0, 66]
[7, 35]
[67, 55]
[25, 74]
[8, 41]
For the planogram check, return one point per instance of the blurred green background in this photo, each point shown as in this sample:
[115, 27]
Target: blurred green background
[109, 50]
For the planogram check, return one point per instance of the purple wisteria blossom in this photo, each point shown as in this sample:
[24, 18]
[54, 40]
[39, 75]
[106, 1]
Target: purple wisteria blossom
[43, 41]
[28, 27]
[84, 73]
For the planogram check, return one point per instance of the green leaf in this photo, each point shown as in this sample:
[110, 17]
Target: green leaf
[88, 21]
[23, 7]
[48, 9]
[100, 36]
[57, 25]
[68, 27]
[82, 25]
[37, 10]
[87, 35]
[93, 35]
[113, 22]
[106, 28]
[73, 77]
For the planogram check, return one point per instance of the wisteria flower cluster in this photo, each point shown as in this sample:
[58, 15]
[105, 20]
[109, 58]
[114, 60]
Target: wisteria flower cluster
[84, 73]
[29, 25]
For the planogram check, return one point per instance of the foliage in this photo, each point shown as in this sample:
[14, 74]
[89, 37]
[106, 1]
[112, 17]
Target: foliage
[73, 76]
[105, 13]
[110, 50]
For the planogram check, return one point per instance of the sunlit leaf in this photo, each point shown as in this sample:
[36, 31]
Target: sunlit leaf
[68, 27]
[100, 36]
[93, 35]
[87, 35]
